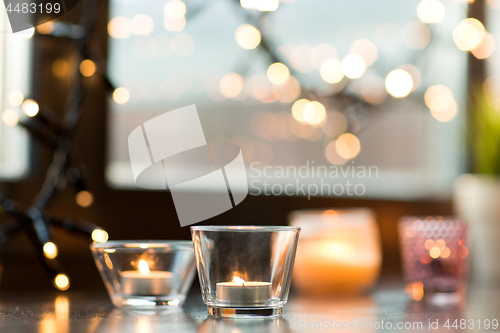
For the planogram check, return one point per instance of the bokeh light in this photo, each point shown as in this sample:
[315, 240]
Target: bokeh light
[348, 146]
[430, 11]
[298, 108]
[314, 113]
[119, 27]
[61, 282]
[231, 85]
[415, 75]
[468, 34]
[399, 83]
[45, 28]
[174, 8]
[87, 68]
[84, 199]
[99, 235]
[142, 24]
[366, 50]
[353, 66]
[16, 98]
[121, 95]
[30, 107]
[416, 35]
[174, 23]
[485, 48]
[10, 117]
[60, 68]
[446, 115]
[439, 99]
[331, 154]
[278, 73]
[267, 5]
[331, 71]
[50, 250]
[435, 91]
[247, 36]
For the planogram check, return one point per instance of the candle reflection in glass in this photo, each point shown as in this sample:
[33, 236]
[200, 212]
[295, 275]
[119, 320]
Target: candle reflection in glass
[339, 251]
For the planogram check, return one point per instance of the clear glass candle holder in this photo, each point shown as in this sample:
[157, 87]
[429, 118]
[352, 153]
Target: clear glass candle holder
[245, 271]
[339, 251]
[146, 274]
[435, 257]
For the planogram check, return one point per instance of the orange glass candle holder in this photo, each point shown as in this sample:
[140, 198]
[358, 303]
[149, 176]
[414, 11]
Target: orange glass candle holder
[339, 251]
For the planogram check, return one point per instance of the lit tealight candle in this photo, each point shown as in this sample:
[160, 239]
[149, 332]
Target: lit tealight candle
[245, 293]
[145, 282]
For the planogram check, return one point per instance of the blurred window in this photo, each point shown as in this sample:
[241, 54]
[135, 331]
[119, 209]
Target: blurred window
[368, 63]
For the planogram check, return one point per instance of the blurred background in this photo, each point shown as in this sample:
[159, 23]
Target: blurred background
[406, 89]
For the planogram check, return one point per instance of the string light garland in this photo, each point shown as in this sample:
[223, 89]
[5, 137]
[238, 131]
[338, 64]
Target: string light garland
[57, 134]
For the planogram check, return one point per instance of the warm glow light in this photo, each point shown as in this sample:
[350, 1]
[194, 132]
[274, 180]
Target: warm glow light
[353, 66]
[61, 281]
[45, 28]
[119, 27]
[416, 35]
[267, 5]
[416, 291]
[429, 244]
[435, 252]
[366, 50]
[399, 83]
[321, 53]
[485, 48]
[249, 4]
[247, 36]
[445, 252]
[99, 236]
[30, 107]
[468, 34]
[348, 146]
[143, 266]
[278, 73]
[331, 71]
[10, 117]
[440, 243]
[87, 68]
[430, 11]
[298, 108]
[231, 85]
[50, 250]
[142, 25]
[314, 113]
[494, 4]
[121, 95]
[84, 198]
[16, 98]
[331, 154]
[238, 281]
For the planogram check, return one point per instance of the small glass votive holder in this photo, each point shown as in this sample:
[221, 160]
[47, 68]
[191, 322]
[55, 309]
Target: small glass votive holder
[339, 251]
[435, 255]
[245, 271]
[146, 274]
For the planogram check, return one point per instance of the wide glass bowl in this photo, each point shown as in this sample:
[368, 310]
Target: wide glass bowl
[245, 271]
[146, 274]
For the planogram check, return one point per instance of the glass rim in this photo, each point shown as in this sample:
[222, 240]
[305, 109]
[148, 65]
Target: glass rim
[244, 228]
[139, 244]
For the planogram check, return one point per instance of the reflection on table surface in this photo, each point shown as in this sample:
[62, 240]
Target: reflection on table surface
[382, 311]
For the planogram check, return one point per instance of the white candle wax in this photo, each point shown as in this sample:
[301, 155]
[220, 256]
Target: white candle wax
[145, 282]
[243, 293]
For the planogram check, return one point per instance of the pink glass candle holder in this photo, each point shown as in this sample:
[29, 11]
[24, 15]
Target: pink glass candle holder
[435, 257]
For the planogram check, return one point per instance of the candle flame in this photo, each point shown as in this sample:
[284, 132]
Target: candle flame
[143, 267]
[238, 281]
